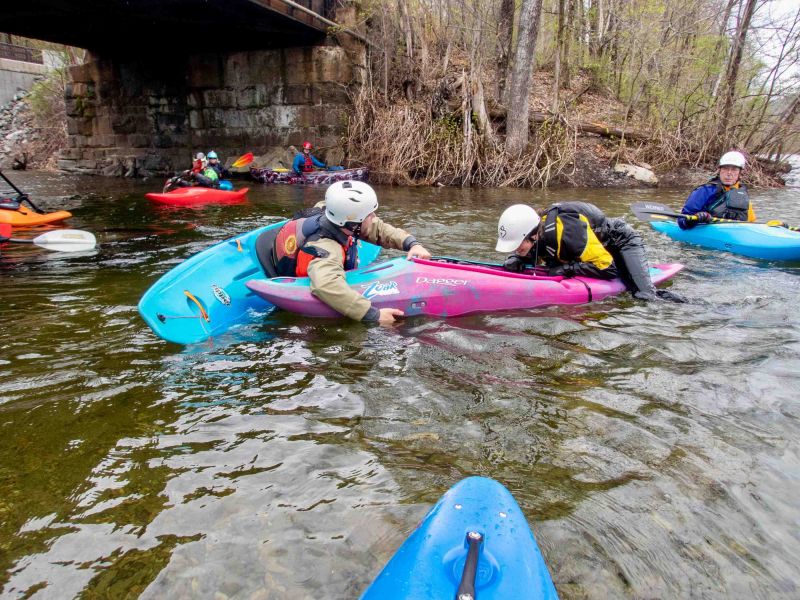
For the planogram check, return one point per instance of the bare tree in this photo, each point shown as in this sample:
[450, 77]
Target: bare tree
[519, 86]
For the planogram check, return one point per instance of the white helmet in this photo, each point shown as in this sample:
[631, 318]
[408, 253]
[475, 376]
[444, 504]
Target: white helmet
[732, 159]
[515, 224]
[349, 202]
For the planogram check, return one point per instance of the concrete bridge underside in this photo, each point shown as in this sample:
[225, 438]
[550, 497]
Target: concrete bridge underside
[166, 78]
[151, 26]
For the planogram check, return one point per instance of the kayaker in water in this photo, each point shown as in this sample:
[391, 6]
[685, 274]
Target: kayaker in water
[724, 196]
[577, 239]
[305, 162]
[322, 244]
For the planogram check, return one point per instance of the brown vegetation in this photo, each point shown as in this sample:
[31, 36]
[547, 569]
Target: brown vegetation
[672, 83]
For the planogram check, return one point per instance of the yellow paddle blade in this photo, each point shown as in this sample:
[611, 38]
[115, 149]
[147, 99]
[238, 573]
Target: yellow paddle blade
[776, 223]
[281, 170]
[243, 160]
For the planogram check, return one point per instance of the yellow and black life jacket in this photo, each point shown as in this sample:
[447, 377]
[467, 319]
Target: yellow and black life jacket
[568, 235]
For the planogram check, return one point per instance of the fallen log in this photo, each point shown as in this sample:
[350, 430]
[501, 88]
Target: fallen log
[499, 114]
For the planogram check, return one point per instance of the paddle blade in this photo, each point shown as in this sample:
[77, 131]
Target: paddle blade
[66, 240]
[646, 210]
[243, 160]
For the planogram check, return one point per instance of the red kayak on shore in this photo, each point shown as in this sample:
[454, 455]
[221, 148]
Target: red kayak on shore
[190, 196]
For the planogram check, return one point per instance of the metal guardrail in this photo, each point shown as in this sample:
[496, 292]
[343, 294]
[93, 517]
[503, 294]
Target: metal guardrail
[21, 53]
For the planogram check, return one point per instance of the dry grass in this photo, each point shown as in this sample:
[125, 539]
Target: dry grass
[413, 147]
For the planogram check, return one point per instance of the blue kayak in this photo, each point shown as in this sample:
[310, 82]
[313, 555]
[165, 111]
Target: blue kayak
[474, 541]
[206, 294]
[755, 240]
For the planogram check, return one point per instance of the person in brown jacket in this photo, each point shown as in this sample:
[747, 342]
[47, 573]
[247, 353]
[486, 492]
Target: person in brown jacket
[323, 245]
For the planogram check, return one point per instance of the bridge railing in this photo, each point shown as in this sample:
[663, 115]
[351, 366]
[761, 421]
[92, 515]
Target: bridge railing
[22, 53]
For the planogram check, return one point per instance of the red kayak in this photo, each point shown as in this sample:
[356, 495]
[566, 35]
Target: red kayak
[190, 196]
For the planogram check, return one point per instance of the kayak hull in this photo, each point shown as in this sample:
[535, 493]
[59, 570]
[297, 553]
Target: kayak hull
[442, 289]
[747, 239]
[25, 217]
[430, 562]
[206, 294]
[313, 178]
[193, 196]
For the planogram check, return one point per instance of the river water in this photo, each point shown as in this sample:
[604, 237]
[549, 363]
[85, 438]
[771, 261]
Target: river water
[653, 447]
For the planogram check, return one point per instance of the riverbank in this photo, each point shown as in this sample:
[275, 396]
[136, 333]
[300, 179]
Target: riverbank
[579, 151]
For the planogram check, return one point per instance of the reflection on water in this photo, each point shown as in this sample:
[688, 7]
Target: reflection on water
[653, 447]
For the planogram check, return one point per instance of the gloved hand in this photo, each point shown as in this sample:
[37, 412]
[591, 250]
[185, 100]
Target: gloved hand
[671, 296]
[514, 263]
[566, 270]
[703, 217]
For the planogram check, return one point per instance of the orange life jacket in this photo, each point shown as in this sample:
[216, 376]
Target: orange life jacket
[292, 255]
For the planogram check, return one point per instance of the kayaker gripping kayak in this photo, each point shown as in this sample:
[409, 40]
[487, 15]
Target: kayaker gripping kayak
[324, 244]
[577, 239]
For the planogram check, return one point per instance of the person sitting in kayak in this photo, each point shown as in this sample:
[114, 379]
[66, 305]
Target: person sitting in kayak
[201, 174]
[577, 239]
[723, 197]
[322, 244]
[305, 162]
[213, 163]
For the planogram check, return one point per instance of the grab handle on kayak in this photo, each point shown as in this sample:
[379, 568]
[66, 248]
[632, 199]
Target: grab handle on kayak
[203, 312]
[466, 589]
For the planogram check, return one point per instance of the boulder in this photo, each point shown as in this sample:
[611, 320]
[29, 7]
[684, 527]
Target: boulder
[639, 173]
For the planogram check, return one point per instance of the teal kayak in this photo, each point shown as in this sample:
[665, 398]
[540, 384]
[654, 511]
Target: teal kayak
[474, 543]
[755, 240]
[207, 294]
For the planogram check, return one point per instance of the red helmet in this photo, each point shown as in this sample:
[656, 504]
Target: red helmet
[307, 146]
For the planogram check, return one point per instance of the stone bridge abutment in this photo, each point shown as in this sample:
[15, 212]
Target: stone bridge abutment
[141, 116]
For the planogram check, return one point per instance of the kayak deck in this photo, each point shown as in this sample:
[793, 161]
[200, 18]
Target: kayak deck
[755, 240]
[442, 289]
[206, 294]
[312, 178]
[197, 195]
[25, 217]
[431, 562]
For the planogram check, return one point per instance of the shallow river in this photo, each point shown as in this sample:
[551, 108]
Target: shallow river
[654, 448]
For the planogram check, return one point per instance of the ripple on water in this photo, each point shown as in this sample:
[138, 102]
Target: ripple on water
[652, 446]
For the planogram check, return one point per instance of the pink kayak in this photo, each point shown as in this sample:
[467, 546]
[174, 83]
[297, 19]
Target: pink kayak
[197, 195]
[445, 289]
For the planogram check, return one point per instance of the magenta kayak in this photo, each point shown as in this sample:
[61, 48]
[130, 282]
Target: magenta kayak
[446, 289]
[197, 195]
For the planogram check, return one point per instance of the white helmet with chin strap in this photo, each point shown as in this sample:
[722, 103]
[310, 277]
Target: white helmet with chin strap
[732, 159]
[516, 223]
[349, 202]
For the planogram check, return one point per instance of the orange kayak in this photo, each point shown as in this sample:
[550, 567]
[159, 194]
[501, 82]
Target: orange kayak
[25, 217]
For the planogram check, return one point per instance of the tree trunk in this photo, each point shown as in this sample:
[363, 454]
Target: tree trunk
[726, 15]
[732, 72]
[521, 73]
[565, 61]
[505, 30]
[559, 49]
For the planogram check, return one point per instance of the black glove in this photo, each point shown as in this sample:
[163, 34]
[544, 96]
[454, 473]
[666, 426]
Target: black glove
[671, 296]
[567, 270]
[514, 263]
[703, 217]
